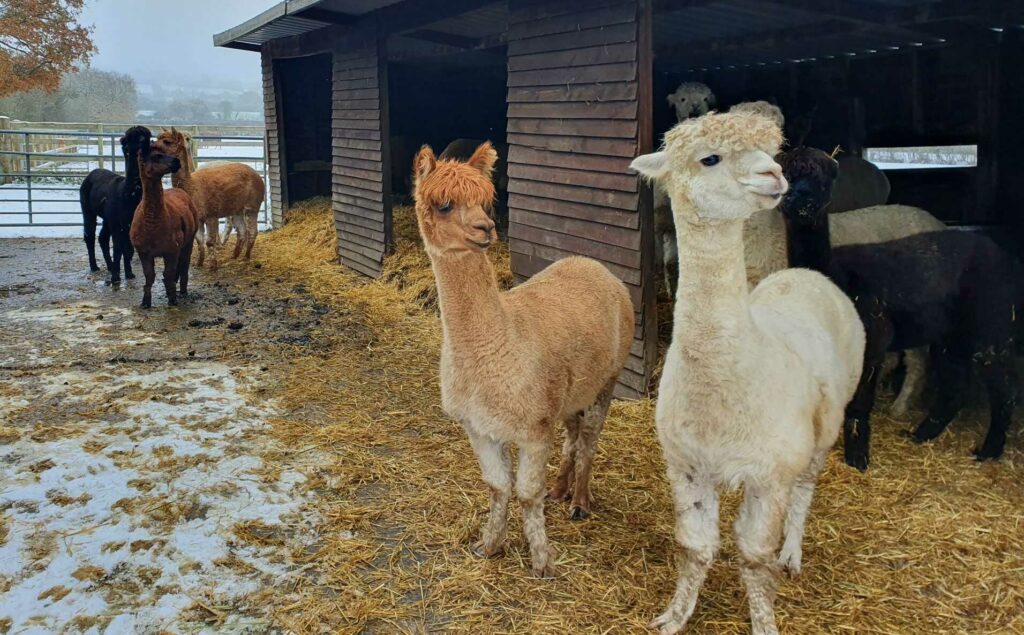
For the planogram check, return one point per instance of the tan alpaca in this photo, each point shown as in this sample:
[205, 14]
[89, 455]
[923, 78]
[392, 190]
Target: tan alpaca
[516, 365]
[755, 383]
[223, 190]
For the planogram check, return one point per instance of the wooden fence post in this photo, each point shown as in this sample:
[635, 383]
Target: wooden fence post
[6, 145]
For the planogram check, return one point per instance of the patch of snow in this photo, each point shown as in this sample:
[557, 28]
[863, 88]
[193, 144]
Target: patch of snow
[190, 453]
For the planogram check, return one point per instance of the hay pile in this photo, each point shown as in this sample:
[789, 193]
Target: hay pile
[927, 541]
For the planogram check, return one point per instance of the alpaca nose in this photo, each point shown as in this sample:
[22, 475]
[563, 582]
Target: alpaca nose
[485, 225]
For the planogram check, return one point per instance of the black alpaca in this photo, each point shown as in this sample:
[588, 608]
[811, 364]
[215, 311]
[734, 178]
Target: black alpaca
[113, 198]
[954, 291]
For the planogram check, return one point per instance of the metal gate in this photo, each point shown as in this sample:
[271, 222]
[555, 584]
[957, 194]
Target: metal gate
[41, 169]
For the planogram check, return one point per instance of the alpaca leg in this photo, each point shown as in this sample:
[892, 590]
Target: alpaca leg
[171, 279]
[590, 430]
[857, 426]
[105, 248]
[951, 374]
[796, 516]
[533, 460]
[696, 509]
[228, 226]
[758, 529]
[916, 364]
[212, 242]
[1000, 375]
[89, 236]
[496, 466]
[240, 236]
[115, 271]
[563, 482]
[149, 272]
[184, 262]
[252, 228]
[201, 244]
[128, 251]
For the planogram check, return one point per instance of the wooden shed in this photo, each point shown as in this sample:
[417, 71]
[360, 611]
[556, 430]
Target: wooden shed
[572, 90]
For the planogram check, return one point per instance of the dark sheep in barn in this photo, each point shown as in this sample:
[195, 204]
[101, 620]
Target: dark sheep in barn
[859, 184]
[954, 291]
[113, 198]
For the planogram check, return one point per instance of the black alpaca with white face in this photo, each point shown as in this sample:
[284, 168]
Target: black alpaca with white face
[956, 292]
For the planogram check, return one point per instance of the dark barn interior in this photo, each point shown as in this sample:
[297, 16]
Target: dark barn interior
[863, 76]
[571, 91]
[305, 109]
[430, 104]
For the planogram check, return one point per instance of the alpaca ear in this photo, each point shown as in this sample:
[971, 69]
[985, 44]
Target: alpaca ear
[484, 158]
[652, 167]
[424, 164]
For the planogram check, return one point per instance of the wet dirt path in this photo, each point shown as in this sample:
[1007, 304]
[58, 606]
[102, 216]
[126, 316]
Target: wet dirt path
[139, 492]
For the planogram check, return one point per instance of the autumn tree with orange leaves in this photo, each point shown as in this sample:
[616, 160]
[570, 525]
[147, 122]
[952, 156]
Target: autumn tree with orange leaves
[40, 41]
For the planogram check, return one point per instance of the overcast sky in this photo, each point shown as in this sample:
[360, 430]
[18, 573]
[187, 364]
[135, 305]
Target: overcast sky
[171, 42]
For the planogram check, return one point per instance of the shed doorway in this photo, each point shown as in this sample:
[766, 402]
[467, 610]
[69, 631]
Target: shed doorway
[304, 94]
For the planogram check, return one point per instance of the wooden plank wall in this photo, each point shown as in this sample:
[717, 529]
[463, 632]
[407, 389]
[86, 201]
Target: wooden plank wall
[361, 179]
[578, 113]
[272, 140]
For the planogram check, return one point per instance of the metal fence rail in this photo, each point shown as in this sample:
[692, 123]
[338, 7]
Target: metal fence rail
[41, 169]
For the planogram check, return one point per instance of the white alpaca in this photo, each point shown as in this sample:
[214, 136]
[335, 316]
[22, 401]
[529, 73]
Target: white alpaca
[691, 99]
[755, 384]
[762, 108]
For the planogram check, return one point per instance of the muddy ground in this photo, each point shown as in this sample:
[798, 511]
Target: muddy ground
[132, 453]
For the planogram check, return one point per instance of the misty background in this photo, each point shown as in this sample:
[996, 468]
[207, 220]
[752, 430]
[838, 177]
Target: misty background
[156, 63]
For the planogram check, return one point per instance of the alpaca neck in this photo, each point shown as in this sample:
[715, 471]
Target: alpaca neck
[131, 173]
[467, 294]
[183, 177]
[809, 243]
[712, 312]
[152, 206]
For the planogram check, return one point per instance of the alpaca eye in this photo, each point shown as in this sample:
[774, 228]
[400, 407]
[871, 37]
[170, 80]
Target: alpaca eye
[444, 208]
[710, 160]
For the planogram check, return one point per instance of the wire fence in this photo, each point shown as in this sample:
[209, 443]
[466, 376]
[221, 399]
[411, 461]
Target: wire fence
[41, 169]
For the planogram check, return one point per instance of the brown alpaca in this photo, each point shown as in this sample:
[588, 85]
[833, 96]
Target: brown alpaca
[219, 191]
[516, 365]
[164, 226]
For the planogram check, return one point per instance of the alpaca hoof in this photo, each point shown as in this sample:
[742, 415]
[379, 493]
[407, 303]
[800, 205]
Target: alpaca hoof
[669, 623]
[577, 512]
[146, 305]
[790, 563]
[558, 493]
[545, 569]
[129, 275]
[481, 550]
[987, 454]
[112, 281]
[920, 436]
[93, 268]
[857, 460]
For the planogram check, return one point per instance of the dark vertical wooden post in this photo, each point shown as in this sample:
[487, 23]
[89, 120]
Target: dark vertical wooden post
[645, 141]
[273, 123]
[989, 141]
[579, 110]
[361, 187]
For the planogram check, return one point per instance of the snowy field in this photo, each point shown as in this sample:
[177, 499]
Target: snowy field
[55, 197]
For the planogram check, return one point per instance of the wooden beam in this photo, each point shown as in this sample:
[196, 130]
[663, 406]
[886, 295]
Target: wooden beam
[412, 15]
[447, 39]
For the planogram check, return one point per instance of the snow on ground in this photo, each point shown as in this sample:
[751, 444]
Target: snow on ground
[125, 488]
